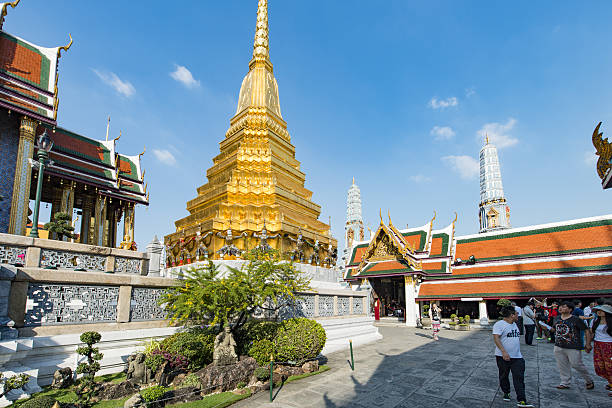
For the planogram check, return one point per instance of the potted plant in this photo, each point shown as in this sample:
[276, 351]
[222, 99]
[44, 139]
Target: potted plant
[464, 323]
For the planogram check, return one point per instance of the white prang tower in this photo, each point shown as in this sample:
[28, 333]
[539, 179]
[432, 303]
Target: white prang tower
[353, 230]
[494, 213]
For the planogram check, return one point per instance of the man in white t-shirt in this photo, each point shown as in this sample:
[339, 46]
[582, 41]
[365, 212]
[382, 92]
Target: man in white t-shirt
[506, 336]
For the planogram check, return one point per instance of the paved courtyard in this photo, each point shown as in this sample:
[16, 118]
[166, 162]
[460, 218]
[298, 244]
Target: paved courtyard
[406, 369]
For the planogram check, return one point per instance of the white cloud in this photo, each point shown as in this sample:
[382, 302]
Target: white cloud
[165, 156]
[470, 92]
[498, 133]
[419, 178]
[436, 103]
[184, 76]
[442, 132]
[467, 167]
[590, 158]
[125, 88]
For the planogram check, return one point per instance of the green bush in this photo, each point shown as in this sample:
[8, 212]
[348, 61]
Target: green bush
[192, 380]
[262, 373]
[298, 340]
[453, 317]
[43, 401]
[261, 351]
[253, 331]
[196, 345]
[241, 384]
[154, 362]
[153, 393]
[467, 319]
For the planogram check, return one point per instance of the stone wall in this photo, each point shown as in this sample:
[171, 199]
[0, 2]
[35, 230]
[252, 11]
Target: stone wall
[9, 145]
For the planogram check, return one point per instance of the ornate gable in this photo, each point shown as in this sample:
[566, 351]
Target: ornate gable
[386, 246]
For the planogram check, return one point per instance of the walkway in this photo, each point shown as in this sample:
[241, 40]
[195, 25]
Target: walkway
[406, 369]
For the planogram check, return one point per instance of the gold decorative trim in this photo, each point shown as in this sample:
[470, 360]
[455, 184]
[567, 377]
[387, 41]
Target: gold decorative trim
[604, 151]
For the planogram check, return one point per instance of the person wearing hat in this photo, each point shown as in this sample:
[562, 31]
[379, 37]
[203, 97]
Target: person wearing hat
[602, 350]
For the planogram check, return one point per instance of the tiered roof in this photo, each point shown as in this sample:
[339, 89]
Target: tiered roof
[96, 163]
[391, 251]
[28, 74]
[571, 257]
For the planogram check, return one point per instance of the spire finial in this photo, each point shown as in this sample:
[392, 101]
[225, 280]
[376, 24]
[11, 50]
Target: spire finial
[261, 50]
[353, 180]
[486, 138]
[4, 11]
[108, 127]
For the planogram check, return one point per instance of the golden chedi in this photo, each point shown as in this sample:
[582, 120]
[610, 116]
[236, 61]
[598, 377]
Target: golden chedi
[255, 195]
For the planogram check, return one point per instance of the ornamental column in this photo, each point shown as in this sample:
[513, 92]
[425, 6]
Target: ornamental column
[23, 176]
[86, 220]
[483, 317]
[67, 202]
[100, 225]
[409, 285]
[128, 221]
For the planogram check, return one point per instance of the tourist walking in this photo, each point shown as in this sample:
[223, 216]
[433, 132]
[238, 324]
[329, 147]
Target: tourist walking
[529, 320]
[602, 350]
[435, 316]
[519, 322]
[506, 337]
[568, 345]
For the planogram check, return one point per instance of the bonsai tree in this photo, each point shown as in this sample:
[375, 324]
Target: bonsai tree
[504, 302]
[207, 297]
[86, 388]
[60, 225]
[12, 383]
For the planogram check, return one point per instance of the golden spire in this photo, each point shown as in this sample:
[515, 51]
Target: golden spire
[353, 180]
[261, 49]
[486, 138]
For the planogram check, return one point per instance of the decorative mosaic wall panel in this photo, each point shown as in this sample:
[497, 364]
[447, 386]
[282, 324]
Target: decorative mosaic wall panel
[357, 305]
[9, 145]
[49, 304]
[326, 306]
[12, 255]
[72, 260]
[304, 306]
[144, 306]
[343, 305]
[127, 265]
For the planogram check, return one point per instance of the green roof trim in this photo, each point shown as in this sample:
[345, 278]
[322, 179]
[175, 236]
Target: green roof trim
[533, 293]
[445, 241]
[133, 175]
[540, 254]
[548, 230]
[366, 272]
[78, 139]
[104, 173]
[423, 238]
[45, 64]
[355, 252]
[441, 270]
[527, 272]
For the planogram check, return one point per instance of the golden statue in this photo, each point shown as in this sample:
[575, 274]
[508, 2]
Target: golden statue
[604, 151]
[256, 176]
[127, 243]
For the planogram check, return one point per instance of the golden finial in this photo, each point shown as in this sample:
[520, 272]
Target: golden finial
[486, 138]
[603, 150]
[380, 213]
[4, 10]
[434, 217]
[353, 180]
[143, 173]
[261, 49]
[65, 47]
[118, 137]
[143, 152]
[389, 215]
[455, 220]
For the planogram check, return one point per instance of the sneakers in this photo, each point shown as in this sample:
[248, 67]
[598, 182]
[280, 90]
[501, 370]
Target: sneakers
[507, 397]
[523, 404]
[539, 338]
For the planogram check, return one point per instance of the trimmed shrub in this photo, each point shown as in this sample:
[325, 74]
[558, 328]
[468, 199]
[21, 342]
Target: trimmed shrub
[298, 340]
[154, 361]
[195, 346]
[504, 302]
[261, 351]
[153, 393]
[253, 331]
[43, 401]
[262, 373]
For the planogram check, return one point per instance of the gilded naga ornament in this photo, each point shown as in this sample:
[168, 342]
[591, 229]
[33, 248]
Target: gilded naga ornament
[604, 151]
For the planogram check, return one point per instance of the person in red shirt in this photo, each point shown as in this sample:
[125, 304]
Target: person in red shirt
[553, 312]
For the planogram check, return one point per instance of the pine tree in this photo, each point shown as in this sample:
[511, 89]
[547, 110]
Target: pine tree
[60, 225]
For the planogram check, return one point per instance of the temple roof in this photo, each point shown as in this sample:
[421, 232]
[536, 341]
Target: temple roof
[95, 163]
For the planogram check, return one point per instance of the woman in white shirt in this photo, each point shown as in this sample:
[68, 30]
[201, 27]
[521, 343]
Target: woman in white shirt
[602, 350]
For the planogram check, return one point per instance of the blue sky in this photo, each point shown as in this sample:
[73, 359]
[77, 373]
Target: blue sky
[394, 93]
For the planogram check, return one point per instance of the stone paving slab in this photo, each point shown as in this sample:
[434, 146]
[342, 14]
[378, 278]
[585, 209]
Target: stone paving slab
[406, 369]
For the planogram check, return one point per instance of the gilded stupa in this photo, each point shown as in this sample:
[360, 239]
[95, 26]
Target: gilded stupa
[255, 187]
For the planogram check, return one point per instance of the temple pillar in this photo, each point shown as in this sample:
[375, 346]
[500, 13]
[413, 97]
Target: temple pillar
[128, 220]
[86, 220]
[482, 313]
[23, 177]
[67, 202]
[411, 306]
[100, 225]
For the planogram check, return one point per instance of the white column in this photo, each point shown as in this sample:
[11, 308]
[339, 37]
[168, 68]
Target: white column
[411, 307]
[482, 311]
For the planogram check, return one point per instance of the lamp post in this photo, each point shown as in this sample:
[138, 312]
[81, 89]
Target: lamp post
[44, 145]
